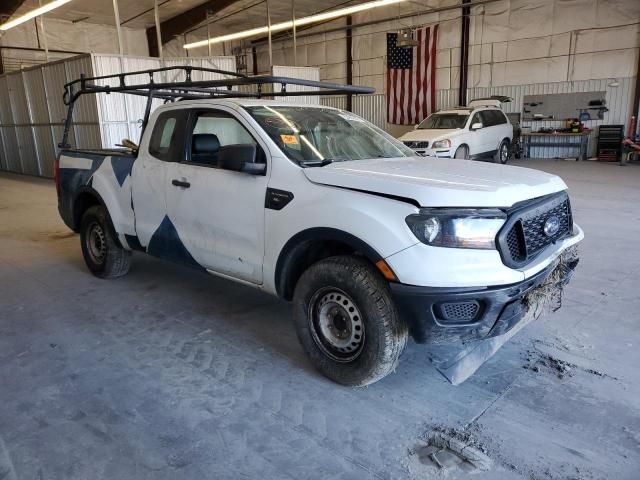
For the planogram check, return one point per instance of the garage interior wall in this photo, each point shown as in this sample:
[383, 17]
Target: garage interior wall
[32, 112]
[517, 47]
[64, 35]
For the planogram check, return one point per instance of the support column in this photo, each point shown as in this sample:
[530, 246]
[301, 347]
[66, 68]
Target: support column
[464, 53]
[156, 16]
[116, 14]
[349, 39]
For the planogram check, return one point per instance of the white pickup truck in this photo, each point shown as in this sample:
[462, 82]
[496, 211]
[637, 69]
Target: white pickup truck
[317, 206]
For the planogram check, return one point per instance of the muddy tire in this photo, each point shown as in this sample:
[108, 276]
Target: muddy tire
[101, 250]
[347, 322]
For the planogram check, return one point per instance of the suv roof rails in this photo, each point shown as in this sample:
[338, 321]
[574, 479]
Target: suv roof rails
[190, 89]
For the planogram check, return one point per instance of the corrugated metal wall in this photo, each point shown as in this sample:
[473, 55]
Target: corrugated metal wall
[619, 102]
[32, 112]
[305, 73]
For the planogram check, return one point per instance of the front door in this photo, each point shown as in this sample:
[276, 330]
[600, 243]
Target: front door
[218, 213]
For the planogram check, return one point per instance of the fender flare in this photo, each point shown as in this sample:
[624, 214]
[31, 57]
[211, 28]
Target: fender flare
[295, 247]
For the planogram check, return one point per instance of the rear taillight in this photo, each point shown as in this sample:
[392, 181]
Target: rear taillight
[56, 174]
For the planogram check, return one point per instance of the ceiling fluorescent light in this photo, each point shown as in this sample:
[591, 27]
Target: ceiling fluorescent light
[300, 22]
[33, 13]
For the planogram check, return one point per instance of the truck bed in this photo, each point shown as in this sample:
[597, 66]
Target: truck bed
[98, 171]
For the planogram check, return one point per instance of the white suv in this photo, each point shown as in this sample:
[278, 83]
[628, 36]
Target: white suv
[479, 130]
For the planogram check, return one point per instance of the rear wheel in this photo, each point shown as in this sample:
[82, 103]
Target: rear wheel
[346, 321]
[462, 152]
[502, 155]
[101, 251]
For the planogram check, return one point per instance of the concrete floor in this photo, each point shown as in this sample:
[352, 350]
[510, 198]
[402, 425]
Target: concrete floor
[168, 373]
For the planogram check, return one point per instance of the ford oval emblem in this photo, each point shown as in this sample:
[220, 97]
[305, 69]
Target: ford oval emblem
[551, 226]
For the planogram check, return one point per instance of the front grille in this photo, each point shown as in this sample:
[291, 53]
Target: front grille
[459, 311]
[416, 144]
[523, 236]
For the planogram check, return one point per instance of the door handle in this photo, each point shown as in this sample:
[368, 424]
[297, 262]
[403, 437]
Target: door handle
[180, 183]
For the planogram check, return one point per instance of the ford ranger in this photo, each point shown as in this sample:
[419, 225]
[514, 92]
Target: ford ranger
[319, 207]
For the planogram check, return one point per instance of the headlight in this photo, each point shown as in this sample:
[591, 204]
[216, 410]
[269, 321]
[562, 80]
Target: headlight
[457, 228]
[446, 143]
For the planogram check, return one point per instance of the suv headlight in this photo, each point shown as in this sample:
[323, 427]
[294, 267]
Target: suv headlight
[457, 228]
[446, 143]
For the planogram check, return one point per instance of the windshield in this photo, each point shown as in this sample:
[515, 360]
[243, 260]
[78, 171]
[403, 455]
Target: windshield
[441, 121]
[322, 135]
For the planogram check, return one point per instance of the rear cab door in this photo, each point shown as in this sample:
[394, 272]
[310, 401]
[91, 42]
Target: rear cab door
[162, 144]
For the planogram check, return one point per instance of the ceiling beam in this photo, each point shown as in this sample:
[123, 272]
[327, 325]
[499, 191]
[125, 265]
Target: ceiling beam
[183, 22]
[8, 8]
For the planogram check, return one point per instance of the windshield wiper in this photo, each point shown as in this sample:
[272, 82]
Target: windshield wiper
[316, 163]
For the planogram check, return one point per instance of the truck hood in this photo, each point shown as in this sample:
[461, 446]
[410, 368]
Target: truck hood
[437, 182]
[430, 135]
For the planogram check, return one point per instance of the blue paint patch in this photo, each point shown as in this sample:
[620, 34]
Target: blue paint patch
[121, 167]
[165, 243]
[134, 242]
[71, 179]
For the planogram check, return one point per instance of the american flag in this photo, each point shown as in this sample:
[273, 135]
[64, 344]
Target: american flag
[411, 77]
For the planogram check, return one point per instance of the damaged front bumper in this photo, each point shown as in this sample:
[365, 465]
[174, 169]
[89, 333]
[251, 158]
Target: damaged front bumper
[444, 316]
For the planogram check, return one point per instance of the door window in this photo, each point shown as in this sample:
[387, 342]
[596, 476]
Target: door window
[215, 131]
[477, 119]
[165, 143]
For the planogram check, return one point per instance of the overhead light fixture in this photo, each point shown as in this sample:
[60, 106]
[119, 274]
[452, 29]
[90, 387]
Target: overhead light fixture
[33, 13]
[300, 22]
[613, 83]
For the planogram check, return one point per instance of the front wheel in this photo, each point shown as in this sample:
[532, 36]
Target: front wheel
[346, 321]
[502, 155]
[100, 248]
[462, 152]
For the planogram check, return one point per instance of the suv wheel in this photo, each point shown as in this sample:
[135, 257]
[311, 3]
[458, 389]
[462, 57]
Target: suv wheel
[502, 155]
[346, 321]
[462, 152]
[100, 248]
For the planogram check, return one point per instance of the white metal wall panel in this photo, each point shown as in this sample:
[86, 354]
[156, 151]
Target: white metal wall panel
[27, 148]
[372, 108]
[113, 133]
[136, 105]
[6, 117]
[85, 109]
[12, 152]
[36, 96]
[3, 155]
[337, 101]
[55, 76]
[45, 148]
[18, 98]
[87, 136]
[305, 73]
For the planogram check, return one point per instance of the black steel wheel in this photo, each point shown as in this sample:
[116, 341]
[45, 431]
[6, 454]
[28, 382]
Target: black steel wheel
[347, 322]
[101, 250]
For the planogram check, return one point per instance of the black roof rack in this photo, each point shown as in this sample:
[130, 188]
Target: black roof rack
[190, 89]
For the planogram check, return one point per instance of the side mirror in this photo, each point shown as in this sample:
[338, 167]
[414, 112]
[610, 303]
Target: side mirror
[254, 168]
[476, 126]
[241, 158]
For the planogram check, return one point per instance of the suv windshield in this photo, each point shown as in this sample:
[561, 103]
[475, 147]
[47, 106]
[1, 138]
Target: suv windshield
[441, 121]
[321, 135]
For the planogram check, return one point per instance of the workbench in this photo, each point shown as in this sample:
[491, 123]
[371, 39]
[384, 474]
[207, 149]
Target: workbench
[577, 141]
